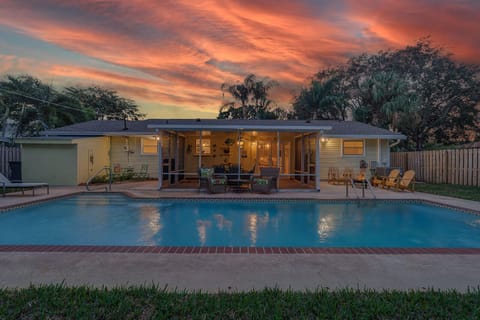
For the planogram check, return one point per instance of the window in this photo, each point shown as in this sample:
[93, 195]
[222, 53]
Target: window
[149, 146]
[205, 147]
[353, 147]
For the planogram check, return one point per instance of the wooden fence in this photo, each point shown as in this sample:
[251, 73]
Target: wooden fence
[460, 166]
[7, 154]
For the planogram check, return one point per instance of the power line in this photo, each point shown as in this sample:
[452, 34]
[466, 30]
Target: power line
[40, 100]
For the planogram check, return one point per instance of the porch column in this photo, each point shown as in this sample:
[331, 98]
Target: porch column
[200, 151]
[177, 156]
[302, 162]
[239, 137]
[278, 159]
[317, 161]
[278, 149]
[160, 159]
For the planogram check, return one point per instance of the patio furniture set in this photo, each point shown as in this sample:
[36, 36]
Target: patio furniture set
[394, 180]
[216, 182]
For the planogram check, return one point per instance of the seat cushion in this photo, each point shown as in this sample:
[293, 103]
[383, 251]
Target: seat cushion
[218, 181]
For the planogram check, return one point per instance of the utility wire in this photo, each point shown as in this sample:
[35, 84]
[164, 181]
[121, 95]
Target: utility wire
[44, 101]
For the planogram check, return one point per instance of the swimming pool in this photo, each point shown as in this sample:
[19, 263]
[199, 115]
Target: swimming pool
[120, 221]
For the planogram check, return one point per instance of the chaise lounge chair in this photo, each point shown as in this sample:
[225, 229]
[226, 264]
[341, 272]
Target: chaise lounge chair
[7, 184]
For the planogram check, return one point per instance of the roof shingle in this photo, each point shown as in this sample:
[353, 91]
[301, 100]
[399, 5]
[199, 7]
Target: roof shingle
[116, 127]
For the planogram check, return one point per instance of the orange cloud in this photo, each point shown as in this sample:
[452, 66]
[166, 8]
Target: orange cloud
[451, 24]
[179, 53]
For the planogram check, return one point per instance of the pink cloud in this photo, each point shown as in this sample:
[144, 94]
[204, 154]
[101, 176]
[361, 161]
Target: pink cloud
[180, 52]
[452, 24]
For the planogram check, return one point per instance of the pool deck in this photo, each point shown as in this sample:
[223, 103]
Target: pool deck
[239, 269]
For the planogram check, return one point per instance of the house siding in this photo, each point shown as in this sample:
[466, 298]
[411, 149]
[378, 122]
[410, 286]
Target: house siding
[99, 149]
[331, 156]
[55, 164]
[385, 154]
[134, 157]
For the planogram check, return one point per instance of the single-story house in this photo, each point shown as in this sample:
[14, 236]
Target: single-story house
[174, 150]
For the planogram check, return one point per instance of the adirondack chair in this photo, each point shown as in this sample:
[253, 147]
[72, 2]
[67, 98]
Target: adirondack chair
[346, 176]
[380, 181]
[333, 175]
[407, 182]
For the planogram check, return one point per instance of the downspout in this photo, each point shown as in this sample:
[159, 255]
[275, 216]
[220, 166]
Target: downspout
[395, 143]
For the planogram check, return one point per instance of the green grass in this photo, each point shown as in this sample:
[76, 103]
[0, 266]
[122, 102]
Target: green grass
[60, 302]
[451, 190]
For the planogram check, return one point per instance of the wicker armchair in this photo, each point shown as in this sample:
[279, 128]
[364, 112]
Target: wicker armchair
[217, 183]
[272, 174]
[204, 175]
[261, 185]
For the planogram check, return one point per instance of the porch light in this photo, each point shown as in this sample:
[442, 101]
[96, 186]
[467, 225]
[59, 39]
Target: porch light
[324, 139]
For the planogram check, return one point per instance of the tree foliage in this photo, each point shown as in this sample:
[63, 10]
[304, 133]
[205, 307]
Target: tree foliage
[106, 103]
[419, 90]
[249, 100]
[322, 100]
[28, 106]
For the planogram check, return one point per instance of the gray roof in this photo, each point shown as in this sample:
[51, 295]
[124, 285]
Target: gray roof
[330, 128]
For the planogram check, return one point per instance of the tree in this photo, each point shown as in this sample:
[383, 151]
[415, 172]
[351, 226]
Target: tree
[105, 103]
[383, 100]
[250, 100]
[320, 101]
[419, 90]
[29, 106]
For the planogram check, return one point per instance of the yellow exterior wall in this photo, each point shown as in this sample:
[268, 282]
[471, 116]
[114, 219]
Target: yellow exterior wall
[52, 163]
[331, 156]
[134, 157]
[384, 153]
[92, 155]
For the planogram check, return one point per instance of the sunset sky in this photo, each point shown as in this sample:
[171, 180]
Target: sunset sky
[171, 57]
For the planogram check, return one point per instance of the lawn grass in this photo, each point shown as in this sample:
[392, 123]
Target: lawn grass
[451, 190]
[60, 302]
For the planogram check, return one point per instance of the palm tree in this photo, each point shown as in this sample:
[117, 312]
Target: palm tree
[250, 99]
[384, 99]
[319, 101]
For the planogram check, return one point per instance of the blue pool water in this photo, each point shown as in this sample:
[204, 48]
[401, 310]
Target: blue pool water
[118, 220]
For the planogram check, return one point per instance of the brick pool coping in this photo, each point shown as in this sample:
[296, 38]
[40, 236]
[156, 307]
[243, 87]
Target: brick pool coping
[231, 250]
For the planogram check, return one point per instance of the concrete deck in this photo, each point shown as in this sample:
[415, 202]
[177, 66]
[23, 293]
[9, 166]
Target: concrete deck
[241, 271]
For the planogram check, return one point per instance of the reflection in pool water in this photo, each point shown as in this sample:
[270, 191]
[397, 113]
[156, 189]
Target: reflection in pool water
[117, 220]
